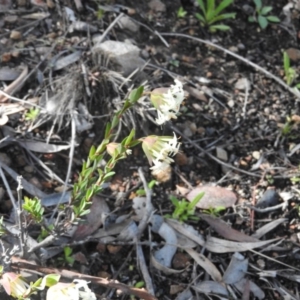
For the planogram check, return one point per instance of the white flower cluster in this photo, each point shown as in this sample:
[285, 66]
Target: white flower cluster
[78, 290]
[161, 159]
[171, 102]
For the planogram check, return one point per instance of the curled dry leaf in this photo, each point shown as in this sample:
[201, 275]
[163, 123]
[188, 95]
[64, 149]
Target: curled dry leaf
[214, 197]
[206, 264]
[236, 270]
[164, 255]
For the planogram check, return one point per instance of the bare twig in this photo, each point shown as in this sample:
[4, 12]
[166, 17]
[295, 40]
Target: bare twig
[20, 218]
[246, 61]
[18, 264]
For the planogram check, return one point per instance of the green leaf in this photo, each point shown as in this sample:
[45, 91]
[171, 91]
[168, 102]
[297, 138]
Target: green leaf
[136, 94]
[195, 201]
[222, 6]
[258, 4]
[200, 18]
[266, 9]
[202, 7]
[210, 12]
[92, 152]
[286, 62]
[107, 130]
[222, 17]
[108, 175]
[273, 19]
[129, 138]
[221, 27]
[262, 21]
[174, 200]
[67, 251]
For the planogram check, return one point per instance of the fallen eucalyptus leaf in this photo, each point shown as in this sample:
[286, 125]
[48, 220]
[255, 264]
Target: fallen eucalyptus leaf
[226, 231]
[236, 270]
[214, 197]
[206, 264]
[222, 246]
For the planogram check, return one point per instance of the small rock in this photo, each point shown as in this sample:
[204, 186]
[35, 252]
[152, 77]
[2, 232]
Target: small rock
[180, 261]
[15, 35]
[157, 6]
[222, 154]
[123, 56]
[231, 103]
[242, 84]
[234, 49]
[112, 249]
[126, 23]
[10, 19]
[256, 155]
[269, 198]
[293, 53]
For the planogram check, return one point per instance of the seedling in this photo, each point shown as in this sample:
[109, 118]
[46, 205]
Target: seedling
[32, 114]
[151, 184]
[68, 257]
[34, 208]
[214, 211]
[212, 14]
[261, 15]
[181, 13]
[289, 72]
[184, 210]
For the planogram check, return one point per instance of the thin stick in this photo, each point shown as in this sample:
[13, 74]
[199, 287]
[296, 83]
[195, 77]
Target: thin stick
[20, 215]
[241, 58]
[18, 264]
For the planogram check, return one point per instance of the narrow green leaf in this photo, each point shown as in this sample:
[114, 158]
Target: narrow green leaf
[201, 18]
[221, 27]
[136, 94]
[222, 17]
[92, 152]
[273, 19]
[262, 21]
[107, 130]
[222, 6]
[195, 201]
[108, 175]
[202, 7]
[210, 12]
[286, 62]
[266, 9]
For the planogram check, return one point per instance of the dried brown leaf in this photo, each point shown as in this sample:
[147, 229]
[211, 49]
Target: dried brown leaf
[214, 197]
[226, 231]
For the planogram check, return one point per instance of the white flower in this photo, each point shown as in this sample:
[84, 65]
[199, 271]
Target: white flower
[168, 104]
[15, 285]
[78, 290]
[159, 149]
